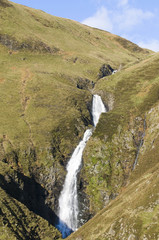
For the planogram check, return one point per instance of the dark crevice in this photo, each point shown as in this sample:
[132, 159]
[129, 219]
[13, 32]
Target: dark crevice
[140, 144]
[27, 191]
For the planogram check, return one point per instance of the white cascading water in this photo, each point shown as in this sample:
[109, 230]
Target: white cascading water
[68, 200]
[97, 108]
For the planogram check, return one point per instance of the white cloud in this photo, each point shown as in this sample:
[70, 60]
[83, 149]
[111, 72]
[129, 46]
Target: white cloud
[125, 20]
[100, 20]
[153, 45]
[123, 2]
[131, 17]
[120, 20]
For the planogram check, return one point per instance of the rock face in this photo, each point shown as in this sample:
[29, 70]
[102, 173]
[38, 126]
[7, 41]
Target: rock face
[106, 169]
[84, 203]
[105, 70]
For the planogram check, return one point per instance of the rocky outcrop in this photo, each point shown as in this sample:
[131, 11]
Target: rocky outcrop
[105, 70]
[30, 44]
[85, 84]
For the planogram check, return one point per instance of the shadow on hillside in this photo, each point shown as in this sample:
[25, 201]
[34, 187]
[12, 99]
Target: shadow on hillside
[27, 191]
[18, 225]
[30, 193]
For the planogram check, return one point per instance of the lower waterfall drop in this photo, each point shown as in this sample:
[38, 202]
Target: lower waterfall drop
[68, 200]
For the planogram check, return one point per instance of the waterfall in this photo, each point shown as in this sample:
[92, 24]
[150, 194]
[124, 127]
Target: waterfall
[97, 108]
[68, 200]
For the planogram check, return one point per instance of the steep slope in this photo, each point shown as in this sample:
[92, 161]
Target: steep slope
[48, 69]
[132, 215]
[130, 95]
[121, 159]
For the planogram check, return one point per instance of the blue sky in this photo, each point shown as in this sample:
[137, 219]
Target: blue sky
[135, 20]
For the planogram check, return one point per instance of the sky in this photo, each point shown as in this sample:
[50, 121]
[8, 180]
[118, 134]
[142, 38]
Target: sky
[135, 20]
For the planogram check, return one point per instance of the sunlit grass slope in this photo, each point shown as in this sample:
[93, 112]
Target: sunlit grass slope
[42, 58]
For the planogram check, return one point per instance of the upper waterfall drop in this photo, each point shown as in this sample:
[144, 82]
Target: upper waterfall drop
[97, 108]
[68, 200]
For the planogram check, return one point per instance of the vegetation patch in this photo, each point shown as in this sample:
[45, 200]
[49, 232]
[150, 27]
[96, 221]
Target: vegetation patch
[129, 45]
[5, 3]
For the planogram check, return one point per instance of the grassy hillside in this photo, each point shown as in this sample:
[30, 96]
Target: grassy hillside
[109, 169]
[48, 69]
